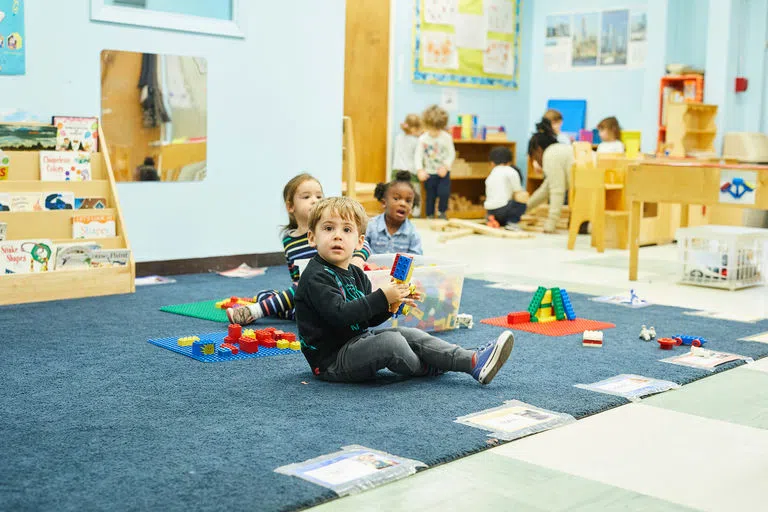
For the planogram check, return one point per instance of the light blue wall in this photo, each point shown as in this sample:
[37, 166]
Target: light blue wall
[493, 108]
[274, 105]
[629, 94]
[687, 32]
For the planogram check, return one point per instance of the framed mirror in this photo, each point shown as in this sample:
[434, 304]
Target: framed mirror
[154, 115]
[218, 17]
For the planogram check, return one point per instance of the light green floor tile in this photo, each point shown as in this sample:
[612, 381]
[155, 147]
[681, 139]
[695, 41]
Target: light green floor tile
[735, 396]
[586, 288]
[491, 482]
[660, 267]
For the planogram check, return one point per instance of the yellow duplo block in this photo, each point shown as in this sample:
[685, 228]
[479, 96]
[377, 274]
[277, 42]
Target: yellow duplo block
[249, 333]
[548, 319]
[220, 304]
[282, 344]
[295, 345]
[187, 341]
[440, 323]
[547, 298]
[209, 349]
[417, 313]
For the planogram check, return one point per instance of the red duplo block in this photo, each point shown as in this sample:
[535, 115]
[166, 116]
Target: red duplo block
[518, 317]
[231, 347]
[249, 345]
[270, 330]
[289, 336]
[263, 337]
[268, 344]
[233, 333]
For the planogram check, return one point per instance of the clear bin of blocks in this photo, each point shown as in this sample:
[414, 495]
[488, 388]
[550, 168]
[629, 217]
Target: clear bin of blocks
[438, 281]
[730, 257]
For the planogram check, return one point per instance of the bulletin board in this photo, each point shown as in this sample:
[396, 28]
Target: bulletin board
[467, 43]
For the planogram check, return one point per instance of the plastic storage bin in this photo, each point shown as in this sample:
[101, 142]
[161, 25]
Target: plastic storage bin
[729, 257]
[439, 281]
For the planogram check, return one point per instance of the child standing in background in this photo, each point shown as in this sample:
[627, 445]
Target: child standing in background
[434, 156]
[556, 120]
[406, 142]
[335, 306]
[505, 197]
[300, 195]
[556, 160]
[392, 232]
[610, 136]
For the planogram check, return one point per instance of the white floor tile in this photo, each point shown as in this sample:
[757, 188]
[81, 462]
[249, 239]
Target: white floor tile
[688, 460]
[761, 365]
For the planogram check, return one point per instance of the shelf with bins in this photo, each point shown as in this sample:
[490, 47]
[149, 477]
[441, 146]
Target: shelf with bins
[56, 225]
[469, 173]
[674, 89]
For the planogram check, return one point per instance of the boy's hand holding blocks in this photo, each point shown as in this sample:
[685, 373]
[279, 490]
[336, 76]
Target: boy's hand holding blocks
[402, 270]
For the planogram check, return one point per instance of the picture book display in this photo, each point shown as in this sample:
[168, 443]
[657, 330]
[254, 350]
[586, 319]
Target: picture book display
[93, 226]
[76, 133]
[65, 166]
[25, 256]
[90, 202]
[110, 258]
[58, 200]
[74, 256]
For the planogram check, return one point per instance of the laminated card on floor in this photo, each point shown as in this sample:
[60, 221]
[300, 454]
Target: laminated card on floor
[631, 387]
[515, 419]
[352, 470]
[705, 359]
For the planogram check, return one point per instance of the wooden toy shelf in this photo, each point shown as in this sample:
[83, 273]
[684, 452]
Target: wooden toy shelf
[24, 176]
[469, 182]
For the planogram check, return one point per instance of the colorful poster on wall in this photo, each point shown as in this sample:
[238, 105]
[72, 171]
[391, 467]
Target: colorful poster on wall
[598, 39]
[467, 43]
[585, 41]
[557, 48]
[12, 37]
[614, 38]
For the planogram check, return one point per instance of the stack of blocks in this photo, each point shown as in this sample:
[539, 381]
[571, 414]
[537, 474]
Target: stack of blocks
[592, 339]
[402, 271]
[547, 305]
[236, 340]
[235, 302]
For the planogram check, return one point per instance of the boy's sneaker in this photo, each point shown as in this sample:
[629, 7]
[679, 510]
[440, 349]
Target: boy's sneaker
[490, 358]
[511, 226]
[241, 315]
[442, 216]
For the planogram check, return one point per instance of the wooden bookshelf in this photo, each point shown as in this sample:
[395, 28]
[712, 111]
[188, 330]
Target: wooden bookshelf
[56, 225]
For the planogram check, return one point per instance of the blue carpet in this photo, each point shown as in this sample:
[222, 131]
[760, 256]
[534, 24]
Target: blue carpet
[96, 418]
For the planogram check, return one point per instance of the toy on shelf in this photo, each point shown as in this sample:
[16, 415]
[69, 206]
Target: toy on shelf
[402, 271]
[592, 339]
[647, 334]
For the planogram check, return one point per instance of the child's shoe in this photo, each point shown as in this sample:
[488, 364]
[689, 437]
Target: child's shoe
[442, 216]
[512, 226]
[489, 358]
[241, 315]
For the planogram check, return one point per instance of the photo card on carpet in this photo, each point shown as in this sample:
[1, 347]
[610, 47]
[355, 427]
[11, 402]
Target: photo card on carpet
[631, 387]
[515, 419]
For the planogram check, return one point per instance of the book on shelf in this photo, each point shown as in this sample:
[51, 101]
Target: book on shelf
[76, 133]
[25, 256]
[82, 203]
[65, 166]
[59, 200]
[3, 230]
[27, 137]
[93, 226]
[110, 258]
[5, 202]
[21, 202]
[75, 255]
[5, 165]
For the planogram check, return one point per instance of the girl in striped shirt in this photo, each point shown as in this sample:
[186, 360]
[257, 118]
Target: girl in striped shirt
[300, 195]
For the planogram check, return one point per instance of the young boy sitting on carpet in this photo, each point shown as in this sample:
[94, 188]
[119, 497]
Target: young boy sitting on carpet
[335, 307]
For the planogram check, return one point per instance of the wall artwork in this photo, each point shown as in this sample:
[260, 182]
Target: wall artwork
[596, 40]
[467, 43]
[12, 38]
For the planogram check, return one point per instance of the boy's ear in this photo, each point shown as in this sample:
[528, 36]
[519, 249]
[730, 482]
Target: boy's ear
[360, 241]
[311, 238]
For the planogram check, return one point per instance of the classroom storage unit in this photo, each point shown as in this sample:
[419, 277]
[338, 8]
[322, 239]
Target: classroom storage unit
[676, 89]
[691, 130]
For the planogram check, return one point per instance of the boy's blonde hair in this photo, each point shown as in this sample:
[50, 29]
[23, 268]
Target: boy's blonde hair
[611, 125]
[435, 117]
[553, 115]
[344, 207]
[412, 122]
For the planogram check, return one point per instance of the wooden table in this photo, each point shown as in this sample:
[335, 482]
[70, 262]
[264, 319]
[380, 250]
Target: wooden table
[684, 183]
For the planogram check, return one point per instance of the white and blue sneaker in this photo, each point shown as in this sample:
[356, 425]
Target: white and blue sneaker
[491, 357]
